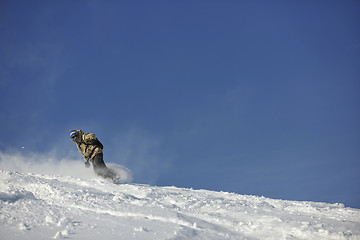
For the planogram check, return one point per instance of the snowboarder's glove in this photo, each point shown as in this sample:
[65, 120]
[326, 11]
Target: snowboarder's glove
[87, 164]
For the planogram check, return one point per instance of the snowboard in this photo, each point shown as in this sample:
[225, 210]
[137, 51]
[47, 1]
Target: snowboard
[117, 174]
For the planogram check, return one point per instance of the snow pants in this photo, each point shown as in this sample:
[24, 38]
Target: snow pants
[100, 168]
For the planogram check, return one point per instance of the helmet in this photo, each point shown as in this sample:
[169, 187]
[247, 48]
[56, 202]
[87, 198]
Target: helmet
[74, 134]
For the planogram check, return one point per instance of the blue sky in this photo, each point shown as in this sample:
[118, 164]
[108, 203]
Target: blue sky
[253, 97]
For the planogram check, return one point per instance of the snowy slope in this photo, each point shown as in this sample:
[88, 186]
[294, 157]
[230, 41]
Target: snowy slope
[38, 206]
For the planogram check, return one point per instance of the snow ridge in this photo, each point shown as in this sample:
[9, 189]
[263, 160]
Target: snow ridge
[38, 206]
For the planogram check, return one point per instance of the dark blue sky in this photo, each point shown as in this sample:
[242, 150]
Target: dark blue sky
[253, 97]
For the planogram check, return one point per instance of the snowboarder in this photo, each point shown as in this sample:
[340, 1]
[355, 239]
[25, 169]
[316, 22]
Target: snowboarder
[92, 150]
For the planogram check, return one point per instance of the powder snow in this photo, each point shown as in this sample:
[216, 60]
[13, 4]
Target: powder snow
[55, 206]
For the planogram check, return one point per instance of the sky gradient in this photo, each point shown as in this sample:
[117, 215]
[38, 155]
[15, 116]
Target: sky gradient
[253, 97]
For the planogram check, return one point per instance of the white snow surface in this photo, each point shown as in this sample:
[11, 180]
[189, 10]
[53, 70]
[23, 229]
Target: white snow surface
[55, 206]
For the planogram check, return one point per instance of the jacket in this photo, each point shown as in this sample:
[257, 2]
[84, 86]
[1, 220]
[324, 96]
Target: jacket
[88, 145]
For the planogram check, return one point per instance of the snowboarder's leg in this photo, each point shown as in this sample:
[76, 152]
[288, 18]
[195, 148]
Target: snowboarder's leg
[100, 167]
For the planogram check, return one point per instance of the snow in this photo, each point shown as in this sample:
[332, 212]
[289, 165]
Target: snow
[37, 205]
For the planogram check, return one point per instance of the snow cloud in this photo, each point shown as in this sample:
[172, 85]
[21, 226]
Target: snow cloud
[46, 163]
